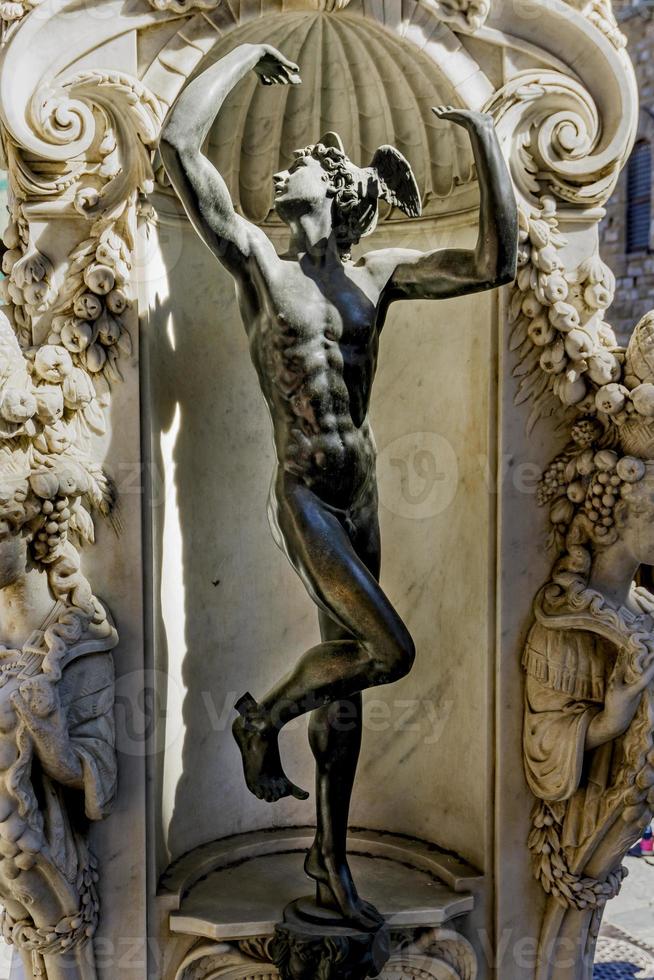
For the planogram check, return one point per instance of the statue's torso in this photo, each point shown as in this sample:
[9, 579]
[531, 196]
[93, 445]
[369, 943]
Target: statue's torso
[314, 344]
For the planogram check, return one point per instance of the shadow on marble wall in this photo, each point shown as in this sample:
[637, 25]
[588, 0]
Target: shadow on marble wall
[231, 612]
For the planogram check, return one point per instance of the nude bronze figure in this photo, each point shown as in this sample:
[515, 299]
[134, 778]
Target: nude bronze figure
[313, 317]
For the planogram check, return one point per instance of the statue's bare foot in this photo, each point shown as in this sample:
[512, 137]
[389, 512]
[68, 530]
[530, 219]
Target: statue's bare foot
[336, 890]
[262, 764]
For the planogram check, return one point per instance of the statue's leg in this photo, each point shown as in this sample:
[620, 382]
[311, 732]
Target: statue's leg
[376, 648]
[335, 736]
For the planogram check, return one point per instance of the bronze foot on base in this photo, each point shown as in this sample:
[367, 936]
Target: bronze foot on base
[314, 943]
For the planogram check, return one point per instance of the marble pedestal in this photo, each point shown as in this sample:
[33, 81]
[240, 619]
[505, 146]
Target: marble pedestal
[235, 892]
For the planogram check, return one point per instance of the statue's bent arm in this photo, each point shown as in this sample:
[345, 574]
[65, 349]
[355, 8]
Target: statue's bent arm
[443, 273]
[201, 188]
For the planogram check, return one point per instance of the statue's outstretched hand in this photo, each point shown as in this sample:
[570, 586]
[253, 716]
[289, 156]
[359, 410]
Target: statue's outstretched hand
[274, 69]
[478, 122]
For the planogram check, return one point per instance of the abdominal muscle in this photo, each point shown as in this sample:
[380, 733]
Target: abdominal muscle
[317, 442]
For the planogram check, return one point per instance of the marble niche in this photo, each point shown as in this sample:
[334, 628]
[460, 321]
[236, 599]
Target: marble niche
[204, 605]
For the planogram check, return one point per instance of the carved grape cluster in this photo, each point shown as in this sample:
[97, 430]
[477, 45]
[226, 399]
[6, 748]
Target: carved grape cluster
[553, 482]
[54, 533]
[582, 480]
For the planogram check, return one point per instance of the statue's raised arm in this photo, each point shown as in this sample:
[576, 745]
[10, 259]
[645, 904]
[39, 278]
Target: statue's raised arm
[200, 187]
[442, 273]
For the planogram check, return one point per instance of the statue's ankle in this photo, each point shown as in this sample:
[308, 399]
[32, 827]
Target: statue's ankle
[254, 716]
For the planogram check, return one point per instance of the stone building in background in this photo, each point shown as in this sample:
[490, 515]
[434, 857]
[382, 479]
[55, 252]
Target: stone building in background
[627, 232]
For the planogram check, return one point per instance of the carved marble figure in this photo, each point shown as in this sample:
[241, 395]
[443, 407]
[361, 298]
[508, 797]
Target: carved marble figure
[57, 756]
[589, 663]
[313, 317]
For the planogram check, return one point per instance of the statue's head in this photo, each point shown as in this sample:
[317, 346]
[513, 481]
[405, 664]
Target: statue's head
[323, 180]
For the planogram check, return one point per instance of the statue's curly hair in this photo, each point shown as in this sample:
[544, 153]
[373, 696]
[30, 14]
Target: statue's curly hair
[353, 212]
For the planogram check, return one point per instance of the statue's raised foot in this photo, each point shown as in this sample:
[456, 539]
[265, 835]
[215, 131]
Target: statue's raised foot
[262, 764]
[315, 942]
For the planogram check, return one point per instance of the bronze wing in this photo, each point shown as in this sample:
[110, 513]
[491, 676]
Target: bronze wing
[397, 184]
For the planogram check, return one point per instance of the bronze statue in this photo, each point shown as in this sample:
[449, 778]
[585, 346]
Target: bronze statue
[313, 318]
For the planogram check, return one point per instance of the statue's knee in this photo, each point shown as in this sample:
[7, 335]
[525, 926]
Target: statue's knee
[399, 661]
[407, 657]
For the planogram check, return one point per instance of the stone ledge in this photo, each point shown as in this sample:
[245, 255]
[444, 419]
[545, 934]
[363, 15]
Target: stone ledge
[239, 887]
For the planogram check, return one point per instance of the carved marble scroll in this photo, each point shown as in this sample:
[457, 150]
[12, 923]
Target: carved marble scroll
[589, 655]
[63, 337]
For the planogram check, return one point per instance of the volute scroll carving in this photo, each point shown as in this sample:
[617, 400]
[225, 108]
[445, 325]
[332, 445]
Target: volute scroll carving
[558, 146]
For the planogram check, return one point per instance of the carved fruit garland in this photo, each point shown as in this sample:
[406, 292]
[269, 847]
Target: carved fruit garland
[88, 333]
[66, 400]
[566, 350]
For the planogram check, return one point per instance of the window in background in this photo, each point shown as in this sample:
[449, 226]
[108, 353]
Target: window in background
[639, 197]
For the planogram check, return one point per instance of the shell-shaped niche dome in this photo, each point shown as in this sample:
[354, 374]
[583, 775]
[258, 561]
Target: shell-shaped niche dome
[358, 80]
